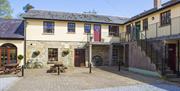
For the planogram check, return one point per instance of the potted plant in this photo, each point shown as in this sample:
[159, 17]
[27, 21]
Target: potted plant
[65, 52]
[35, 54]
[20, 57]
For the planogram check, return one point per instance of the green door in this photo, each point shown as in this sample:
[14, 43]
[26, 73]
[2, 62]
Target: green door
[138, 29]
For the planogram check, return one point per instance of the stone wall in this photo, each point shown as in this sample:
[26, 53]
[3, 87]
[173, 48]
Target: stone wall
[102, 51]
[43, 46]
[138, 58]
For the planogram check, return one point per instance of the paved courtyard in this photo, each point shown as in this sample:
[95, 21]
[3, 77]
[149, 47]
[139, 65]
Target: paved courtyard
[78, 79]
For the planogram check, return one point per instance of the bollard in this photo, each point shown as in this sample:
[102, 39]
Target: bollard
[22, 69]
[119, 66]
[90, 67]
[58, 70]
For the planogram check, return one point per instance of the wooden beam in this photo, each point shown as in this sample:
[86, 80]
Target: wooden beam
[8, 56]
[0, 58]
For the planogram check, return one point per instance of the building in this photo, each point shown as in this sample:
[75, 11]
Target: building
[61, 36]
[153, 38]
[146, 43]
[11, 41]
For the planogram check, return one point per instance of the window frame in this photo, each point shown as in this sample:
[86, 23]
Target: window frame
[165, 18]
[71, 30]
[53, 54]
[145, 24]
[113, 32]
[44, 27]
[85, 25]
[128, 28]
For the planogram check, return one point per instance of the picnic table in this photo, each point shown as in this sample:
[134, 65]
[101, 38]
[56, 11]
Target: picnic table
[57, 66]
[9, 68]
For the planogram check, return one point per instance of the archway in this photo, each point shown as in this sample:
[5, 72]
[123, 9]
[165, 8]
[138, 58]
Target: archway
[8, 54]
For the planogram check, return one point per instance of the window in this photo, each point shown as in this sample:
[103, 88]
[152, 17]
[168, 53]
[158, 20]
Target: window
[52, 54]
[8, 54]
[165, 18]
[87, 28]
[145, 24]
[128, 28]
[71, 27]
[113, 30]
[48, 27]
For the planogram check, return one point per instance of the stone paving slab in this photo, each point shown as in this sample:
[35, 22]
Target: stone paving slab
[7, 82]
[142, 87]
[77, 79]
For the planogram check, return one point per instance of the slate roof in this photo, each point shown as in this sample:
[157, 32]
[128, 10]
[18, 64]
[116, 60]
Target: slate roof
[53, 15]
[153, 10]
[11, 29]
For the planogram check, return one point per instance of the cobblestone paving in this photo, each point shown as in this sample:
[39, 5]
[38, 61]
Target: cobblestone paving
[79, 79]
[7, 82]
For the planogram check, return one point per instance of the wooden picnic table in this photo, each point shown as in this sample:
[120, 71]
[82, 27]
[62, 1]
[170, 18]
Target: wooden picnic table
[12, 68]
[57, 64]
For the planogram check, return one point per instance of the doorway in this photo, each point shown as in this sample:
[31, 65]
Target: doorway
[172, 57]
[97, 32]
[79, 58]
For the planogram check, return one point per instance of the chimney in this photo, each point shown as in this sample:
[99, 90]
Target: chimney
[157, 3]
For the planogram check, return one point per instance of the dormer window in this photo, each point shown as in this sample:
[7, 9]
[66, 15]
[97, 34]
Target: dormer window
[48, 27]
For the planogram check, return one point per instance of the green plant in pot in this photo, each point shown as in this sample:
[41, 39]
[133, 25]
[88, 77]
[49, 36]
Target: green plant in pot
[20, 57]
[65, 52]
[35, 54]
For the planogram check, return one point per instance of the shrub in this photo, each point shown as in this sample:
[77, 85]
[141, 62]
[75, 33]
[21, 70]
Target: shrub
[20, 57]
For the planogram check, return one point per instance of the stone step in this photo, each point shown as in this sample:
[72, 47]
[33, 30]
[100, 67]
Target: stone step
[174, 79]
[171, 75]
[169, 71]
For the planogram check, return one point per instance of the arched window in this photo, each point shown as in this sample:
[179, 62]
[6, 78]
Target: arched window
[8, 54]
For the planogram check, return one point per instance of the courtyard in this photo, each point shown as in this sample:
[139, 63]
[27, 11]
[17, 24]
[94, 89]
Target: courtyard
[78, 79]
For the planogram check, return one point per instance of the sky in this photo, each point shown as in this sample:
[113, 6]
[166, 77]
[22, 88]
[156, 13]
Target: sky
[123, 8]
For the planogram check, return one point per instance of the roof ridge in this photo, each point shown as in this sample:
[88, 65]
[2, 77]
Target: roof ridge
[76, 13]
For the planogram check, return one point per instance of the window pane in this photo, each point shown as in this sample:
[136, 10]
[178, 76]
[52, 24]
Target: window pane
[48, 27]
[165, 18]
[52, 54]
[87, 28]
[71, 27]
[113, 30]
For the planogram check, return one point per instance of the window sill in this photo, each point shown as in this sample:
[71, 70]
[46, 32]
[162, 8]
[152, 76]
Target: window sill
[165, 25]
[70, 32]
[87, 33]
[113, 36]
[47, 33]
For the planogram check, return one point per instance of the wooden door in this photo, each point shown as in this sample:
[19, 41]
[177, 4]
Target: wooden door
[172, 56]
[79, 58]
[97, 32]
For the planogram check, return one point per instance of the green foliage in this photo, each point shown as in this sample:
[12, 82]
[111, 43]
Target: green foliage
[5, 9]
[27, 7]
[65, 52]
[20, 57]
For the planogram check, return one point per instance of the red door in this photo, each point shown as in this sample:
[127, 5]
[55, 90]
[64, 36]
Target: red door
[79, 58]
[97, 32]
[172, 56]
